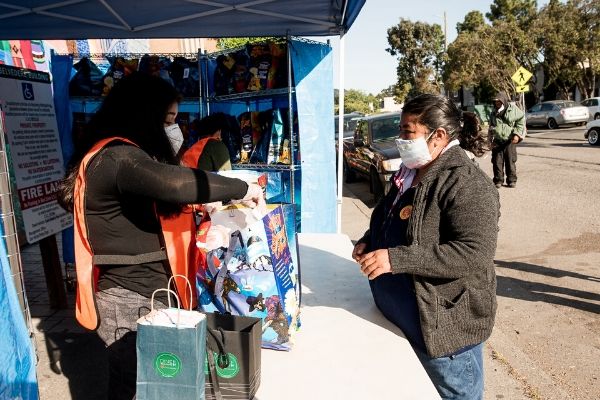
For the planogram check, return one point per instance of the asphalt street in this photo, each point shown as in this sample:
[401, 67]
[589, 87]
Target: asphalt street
[546, 341]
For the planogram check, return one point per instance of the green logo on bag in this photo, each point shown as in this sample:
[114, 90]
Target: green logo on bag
[167, 365]
[228, 372]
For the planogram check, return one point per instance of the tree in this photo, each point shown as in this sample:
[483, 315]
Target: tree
[419, 48]
[356, 100]
[229, 43]
[520, 11]
[473, 20]
[567, 36]
[490, 56]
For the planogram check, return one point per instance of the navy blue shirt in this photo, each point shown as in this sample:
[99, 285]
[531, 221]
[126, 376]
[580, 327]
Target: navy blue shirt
[394, 294]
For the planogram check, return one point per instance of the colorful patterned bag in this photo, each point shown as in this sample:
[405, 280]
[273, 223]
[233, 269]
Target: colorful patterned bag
[255, 275]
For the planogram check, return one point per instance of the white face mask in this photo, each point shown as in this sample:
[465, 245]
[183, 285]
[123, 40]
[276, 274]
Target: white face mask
[498, 111]
[414, 153]
[175, 137]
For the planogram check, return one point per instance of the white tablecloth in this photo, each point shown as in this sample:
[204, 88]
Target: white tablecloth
[345, 348]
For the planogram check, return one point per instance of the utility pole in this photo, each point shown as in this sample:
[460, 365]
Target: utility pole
[445, 32]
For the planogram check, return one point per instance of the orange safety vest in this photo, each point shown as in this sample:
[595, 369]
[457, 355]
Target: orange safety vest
[192, 155]
[177, 234]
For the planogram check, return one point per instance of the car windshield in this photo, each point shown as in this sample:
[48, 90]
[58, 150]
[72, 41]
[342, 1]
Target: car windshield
[570, 104]
[385, 128]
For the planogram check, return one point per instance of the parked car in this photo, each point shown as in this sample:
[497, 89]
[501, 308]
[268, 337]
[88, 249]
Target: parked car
[350, 121]
[372, 151]
[592, 132]
[554, 113]
[593, 105]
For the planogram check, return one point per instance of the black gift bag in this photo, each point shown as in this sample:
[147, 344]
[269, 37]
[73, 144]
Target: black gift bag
[232, 367]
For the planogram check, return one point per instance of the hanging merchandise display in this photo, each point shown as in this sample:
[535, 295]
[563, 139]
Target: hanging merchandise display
[87, 81]
[119, 68]
[254, 86]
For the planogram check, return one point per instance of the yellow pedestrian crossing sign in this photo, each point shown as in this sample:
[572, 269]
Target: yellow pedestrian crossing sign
[521, 76]
[522, 89]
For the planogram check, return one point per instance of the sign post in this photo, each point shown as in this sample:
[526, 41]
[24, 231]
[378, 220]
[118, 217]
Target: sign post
[521, 77]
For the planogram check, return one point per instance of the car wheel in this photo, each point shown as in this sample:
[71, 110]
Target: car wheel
[597, 116]
[349, 175]
[594, 137]
[376, 186]
[552, 124]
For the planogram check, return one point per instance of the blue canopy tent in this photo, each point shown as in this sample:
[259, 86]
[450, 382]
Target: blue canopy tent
[124, 19]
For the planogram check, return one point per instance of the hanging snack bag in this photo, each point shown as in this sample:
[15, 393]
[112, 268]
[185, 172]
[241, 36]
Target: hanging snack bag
[260, 62]
[230, 135]
[276, 138]
[246, 136]
[155, 66]
[277, 76]
[87, 81]
[185, 76]
[262, 130]
[240, 71]
[119, 68]
[224, 74]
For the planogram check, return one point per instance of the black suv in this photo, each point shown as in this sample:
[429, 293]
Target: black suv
[372, 152]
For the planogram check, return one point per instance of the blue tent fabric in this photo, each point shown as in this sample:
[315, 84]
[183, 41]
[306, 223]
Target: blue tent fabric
[49, 19]
[61, 67]
[313, 75]
[17, 356]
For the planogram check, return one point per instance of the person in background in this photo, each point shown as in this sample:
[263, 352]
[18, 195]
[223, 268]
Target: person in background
[507, 128]
[429, 252]
[209, 152]
[124, 186]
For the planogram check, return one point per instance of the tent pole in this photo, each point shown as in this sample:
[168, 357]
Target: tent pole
[340, 165]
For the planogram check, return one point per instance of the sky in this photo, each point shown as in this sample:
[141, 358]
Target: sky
[368, 66]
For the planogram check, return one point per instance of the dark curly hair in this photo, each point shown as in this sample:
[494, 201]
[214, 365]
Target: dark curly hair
[135, 109]
[437, 111]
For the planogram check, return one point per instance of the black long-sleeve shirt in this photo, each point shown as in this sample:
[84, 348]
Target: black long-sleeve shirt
[122, 184]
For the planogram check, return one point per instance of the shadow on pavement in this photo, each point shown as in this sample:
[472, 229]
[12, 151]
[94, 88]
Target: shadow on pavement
[546, 271]
[535, 291]
[582, 144]
[81, 358]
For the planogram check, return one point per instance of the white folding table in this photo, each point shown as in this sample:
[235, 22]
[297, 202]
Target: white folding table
[345, 348]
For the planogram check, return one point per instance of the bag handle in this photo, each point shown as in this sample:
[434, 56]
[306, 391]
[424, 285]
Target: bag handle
[213, 377]
[222, 358]
[168, 298]
[172, 279]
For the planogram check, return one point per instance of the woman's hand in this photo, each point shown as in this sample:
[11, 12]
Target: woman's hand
[358, 251]
[254, 196]
[375, 263]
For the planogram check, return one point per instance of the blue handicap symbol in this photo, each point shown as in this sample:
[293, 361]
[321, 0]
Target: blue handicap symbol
[27, 91]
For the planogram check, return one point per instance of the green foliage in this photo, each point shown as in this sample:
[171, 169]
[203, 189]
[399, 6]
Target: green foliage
[519, 11]
[473, 20]
[229, 43]
[356, 100]
[490, 56]
[390, 91]
[567, 37]
[419, 48]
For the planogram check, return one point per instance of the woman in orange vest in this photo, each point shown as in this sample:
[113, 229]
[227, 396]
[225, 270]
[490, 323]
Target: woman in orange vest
[209, 152]
[126, 191]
